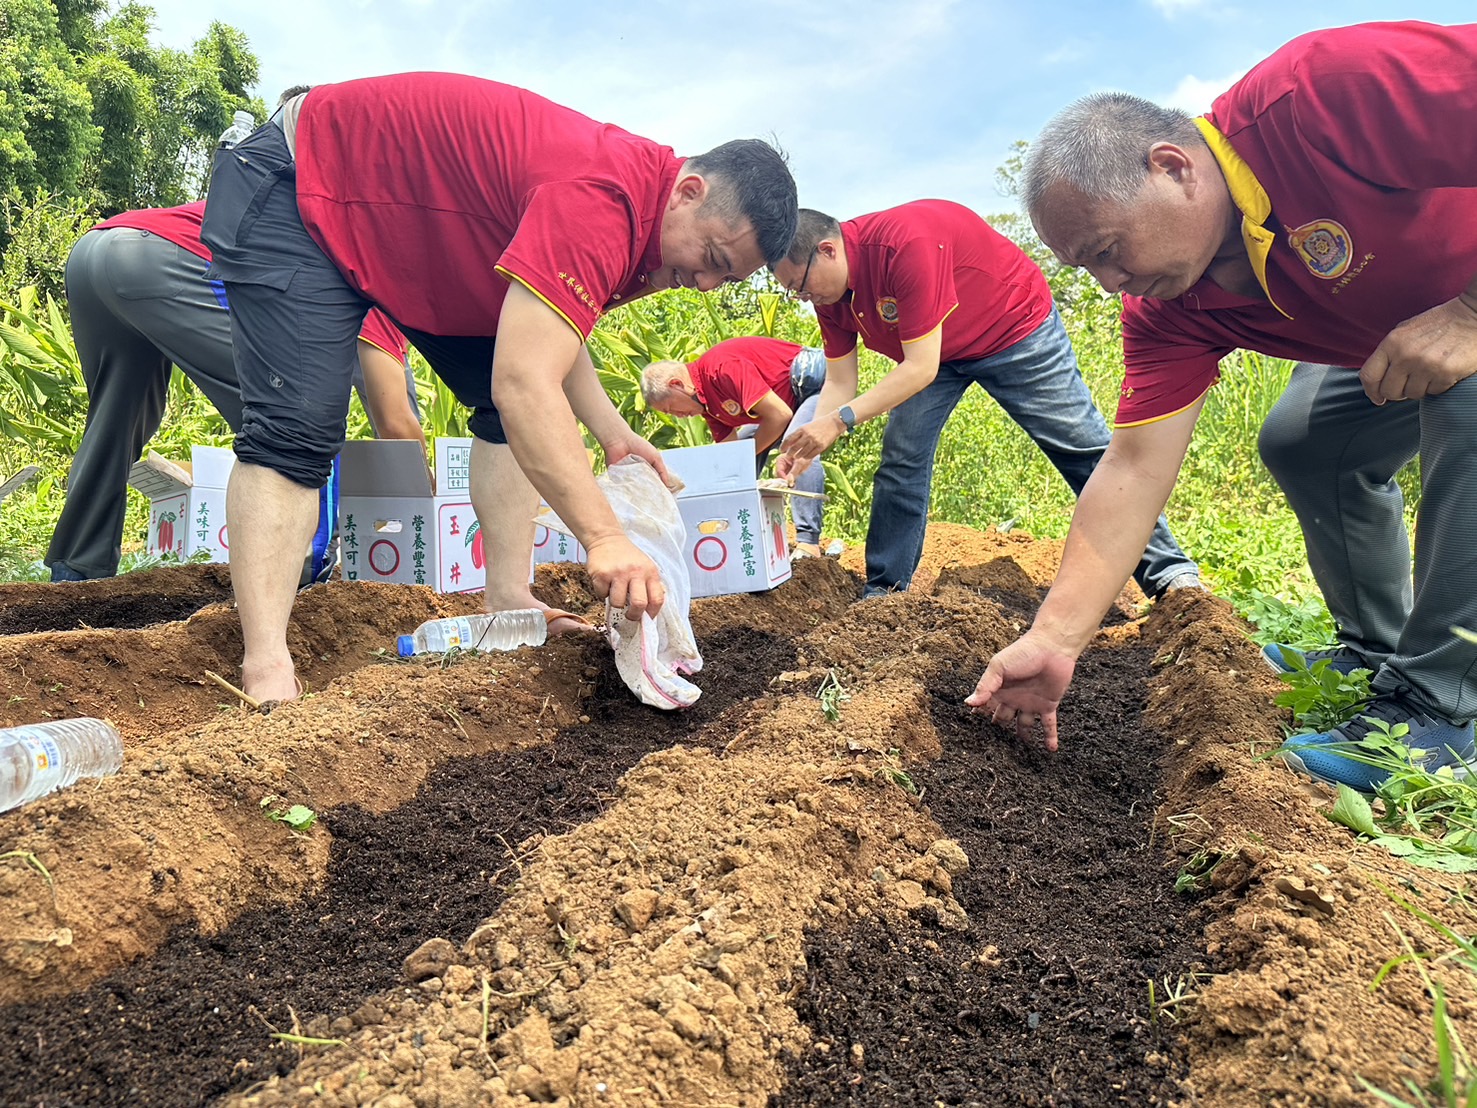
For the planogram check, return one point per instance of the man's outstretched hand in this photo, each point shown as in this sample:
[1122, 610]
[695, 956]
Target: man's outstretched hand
[1023, 685]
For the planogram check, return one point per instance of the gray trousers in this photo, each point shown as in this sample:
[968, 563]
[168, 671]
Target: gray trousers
[139, 304]
[1335, 455]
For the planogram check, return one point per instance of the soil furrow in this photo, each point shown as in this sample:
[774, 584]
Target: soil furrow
[1043, 999]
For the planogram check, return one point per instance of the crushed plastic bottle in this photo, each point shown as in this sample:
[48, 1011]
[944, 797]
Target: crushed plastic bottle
[40, 758]
[487, 631]
[241, 125]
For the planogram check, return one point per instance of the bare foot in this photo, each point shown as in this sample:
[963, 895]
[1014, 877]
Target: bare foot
[570, 624]
[271, 682]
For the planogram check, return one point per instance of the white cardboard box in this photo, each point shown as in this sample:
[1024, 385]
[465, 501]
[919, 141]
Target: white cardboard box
[187, 503]
[550, 545]
[735, 530]
[9, 486]
[392, 528]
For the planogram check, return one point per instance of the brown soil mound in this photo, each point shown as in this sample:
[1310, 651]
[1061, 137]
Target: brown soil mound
[525, 888]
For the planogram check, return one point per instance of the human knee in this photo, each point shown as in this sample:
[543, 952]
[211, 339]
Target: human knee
[1282, 441]
[297, 448]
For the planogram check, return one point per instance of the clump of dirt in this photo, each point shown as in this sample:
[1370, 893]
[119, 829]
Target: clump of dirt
[828, 882]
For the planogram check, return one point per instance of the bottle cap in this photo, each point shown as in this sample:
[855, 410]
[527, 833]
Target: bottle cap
[405, 645]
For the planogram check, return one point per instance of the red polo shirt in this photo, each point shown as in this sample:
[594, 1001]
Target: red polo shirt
[429, 191]
[735, 374]
[181, 226]
[1344, 152]
[929, 263]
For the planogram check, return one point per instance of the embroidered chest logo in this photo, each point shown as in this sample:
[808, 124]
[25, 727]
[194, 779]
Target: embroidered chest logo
[887, 309]
[1324, 247]
[732, 407]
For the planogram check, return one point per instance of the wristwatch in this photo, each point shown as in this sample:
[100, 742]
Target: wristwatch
[848, 417]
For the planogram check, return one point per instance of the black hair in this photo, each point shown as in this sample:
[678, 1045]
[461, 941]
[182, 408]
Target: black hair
[750, 179]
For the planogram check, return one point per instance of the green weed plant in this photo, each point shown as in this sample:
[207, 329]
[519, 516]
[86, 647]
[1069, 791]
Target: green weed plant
[1321, 697]
[1455, 1082]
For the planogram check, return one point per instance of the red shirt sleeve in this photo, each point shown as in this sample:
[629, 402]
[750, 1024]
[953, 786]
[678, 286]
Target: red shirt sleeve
[921, 279]
[837, 338]
[379, 331]
[573, 249]
[1166, 367]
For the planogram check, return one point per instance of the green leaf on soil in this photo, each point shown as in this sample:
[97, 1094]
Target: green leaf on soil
[1353, 811]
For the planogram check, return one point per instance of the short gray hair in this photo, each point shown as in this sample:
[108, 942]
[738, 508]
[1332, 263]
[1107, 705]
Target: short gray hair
[654, 387]
[1100, 146]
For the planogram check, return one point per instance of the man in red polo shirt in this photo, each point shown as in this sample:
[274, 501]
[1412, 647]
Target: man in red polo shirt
[933, 287]
[1323, 212]
[139, 302]
[752, 387]
[494, 227]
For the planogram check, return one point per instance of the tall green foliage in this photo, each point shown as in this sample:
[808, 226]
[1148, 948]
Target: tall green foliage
[92, 111]
[46, 132]
[159, 111]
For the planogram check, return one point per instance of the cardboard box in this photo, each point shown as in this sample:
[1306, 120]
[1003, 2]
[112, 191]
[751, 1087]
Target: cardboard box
[8, 487]
[393, 528]
[552, 545]
[187, 501]
[735, 530]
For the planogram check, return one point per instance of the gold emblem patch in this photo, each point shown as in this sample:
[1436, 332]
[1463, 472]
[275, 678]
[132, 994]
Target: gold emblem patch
[732, 407]
[887, 309]
[1324, 246]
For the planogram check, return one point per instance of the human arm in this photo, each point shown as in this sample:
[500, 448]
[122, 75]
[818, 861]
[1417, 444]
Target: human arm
[840, 387]
[920, 365]
[1115, 515]
[1427, 354]
[385, 396]
[592, 407]
[537, 353]
[774, 416]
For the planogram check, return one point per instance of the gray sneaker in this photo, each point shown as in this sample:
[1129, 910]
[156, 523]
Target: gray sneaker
[1344, 755]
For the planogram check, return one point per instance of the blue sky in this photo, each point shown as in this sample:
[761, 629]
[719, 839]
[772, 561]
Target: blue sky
[876, 102]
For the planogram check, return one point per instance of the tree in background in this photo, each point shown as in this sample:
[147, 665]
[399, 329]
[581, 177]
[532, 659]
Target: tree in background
[46, 133]
[91, 112]
[160, 111]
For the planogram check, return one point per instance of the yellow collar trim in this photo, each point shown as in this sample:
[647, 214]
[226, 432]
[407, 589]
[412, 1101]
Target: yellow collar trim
[1250, 199]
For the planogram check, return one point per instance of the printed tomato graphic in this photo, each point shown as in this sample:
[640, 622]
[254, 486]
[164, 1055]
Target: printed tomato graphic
[474, 540]
[166, 530]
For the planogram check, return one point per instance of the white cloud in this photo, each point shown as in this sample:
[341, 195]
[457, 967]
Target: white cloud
[1172, 8]
[1195, 94]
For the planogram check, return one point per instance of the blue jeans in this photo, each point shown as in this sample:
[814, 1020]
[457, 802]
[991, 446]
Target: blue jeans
[1038, 385]
[807, 375]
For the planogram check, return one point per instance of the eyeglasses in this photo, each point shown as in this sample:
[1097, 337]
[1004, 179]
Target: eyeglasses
[798, 292]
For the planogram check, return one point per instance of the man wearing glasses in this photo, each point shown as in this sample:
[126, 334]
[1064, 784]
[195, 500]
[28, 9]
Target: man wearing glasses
[933, 287]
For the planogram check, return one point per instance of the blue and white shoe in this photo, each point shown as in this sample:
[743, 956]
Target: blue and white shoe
[1342, 658]
[1343, 756]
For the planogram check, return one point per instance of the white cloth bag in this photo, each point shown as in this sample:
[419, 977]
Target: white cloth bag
[651, 655]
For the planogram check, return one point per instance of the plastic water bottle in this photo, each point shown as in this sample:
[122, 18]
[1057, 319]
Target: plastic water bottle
[486, 632]
[42, 757]
[242, 124]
